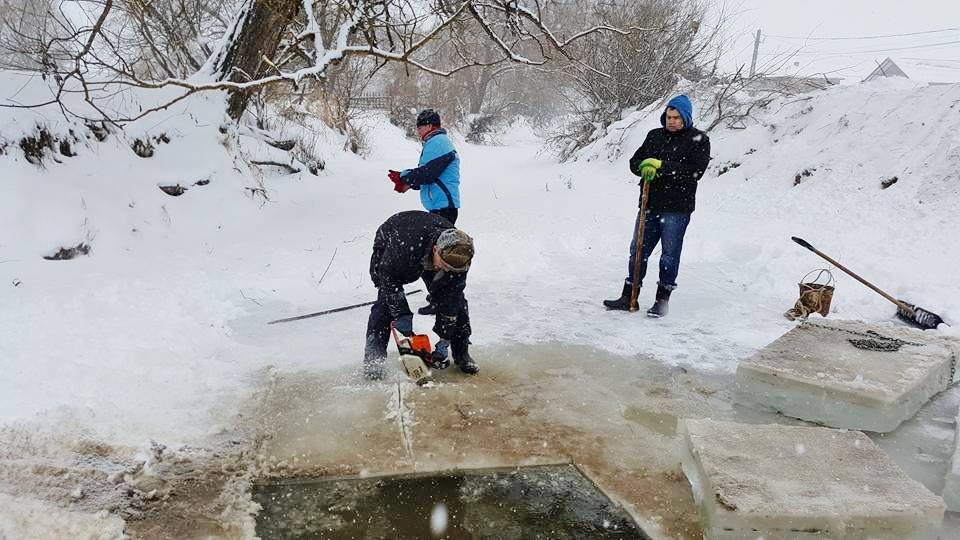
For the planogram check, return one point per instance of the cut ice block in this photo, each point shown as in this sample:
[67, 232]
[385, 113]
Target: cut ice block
[849, 374]
[779, 482]
[951, 487]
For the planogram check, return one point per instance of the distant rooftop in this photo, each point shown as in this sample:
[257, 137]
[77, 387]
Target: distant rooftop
[887, 68]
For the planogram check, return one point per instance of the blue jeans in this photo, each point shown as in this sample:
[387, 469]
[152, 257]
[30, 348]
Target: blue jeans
[667, 228]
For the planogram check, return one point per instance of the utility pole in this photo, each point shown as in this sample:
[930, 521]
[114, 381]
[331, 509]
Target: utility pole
[756, 49]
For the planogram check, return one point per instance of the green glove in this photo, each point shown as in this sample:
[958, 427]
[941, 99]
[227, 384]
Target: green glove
[648, 173]
[651, 162]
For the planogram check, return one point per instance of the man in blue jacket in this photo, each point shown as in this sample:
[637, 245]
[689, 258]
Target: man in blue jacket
[437, 176]
[672, 159]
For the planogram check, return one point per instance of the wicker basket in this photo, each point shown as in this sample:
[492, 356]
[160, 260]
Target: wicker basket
[815, 295]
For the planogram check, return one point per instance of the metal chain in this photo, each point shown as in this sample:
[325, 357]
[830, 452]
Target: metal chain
[868, 334]
[872, 335]
[875, 345]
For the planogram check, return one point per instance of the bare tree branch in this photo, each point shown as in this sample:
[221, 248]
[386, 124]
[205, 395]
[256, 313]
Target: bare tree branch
[128, 46]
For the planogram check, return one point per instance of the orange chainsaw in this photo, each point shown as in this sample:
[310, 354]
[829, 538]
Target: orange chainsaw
[417, 355]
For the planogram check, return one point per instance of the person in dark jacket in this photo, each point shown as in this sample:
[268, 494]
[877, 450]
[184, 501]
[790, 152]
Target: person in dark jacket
[437, 176]
[409, 246]
[673, 159]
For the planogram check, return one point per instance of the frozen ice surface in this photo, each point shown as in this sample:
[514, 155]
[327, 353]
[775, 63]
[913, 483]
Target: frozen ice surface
[24, 517]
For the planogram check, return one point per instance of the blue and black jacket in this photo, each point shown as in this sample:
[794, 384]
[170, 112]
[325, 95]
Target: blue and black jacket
[685, 155]
[438, 174]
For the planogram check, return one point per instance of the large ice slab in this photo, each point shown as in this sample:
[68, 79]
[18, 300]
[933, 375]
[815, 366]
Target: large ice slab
[951, 487]
[779, 482]
[849, 374]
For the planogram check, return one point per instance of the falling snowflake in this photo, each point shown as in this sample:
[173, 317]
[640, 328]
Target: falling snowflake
[438, 520]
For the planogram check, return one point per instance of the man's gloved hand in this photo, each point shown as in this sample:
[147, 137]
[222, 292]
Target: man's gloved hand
[648, 173]
[398, 184]
[440, 357]
[651, 162]
[404, 325]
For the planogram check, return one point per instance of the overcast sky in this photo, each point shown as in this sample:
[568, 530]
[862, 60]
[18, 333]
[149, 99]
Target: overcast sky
[935, 55]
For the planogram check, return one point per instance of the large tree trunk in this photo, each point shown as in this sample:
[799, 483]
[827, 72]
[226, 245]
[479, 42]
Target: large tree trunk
[256, 35]
[477, 88]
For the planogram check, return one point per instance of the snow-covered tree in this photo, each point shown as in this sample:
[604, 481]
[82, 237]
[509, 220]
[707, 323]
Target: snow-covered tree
[289, 41]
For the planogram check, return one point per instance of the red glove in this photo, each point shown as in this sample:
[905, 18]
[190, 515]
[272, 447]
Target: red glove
[398, 185]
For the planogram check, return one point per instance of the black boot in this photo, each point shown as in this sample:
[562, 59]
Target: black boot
[430, 308]
[461, 357]
[661, 305]
[622, 303]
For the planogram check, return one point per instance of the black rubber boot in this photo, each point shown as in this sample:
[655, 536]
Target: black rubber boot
[429, 309]
[622, 303]
[661, 304]
[461, 357]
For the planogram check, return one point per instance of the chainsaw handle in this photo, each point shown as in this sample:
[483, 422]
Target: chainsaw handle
[803, 243]
[396, 336]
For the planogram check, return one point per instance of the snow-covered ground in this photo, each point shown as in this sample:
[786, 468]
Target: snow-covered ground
[159, 333]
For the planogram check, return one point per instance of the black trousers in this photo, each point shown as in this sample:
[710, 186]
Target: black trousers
[449, 213]
[459, 331]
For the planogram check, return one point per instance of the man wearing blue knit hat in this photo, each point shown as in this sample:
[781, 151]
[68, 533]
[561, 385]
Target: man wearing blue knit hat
[672, 159]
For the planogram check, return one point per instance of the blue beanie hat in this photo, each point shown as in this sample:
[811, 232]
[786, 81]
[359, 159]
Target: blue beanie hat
[683, 106]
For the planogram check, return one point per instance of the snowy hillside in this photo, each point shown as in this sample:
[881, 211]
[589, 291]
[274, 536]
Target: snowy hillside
[158, 333]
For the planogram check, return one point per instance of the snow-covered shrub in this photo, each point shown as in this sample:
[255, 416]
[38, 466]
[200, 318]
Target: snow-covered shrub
[36, 146]
[67, 253]
[484, 128]
[405, 118]
[142, 148]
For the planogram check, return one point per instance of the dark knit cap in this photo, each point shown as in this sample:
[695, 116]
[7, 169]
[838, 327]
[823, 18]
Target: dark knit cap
[428, 117]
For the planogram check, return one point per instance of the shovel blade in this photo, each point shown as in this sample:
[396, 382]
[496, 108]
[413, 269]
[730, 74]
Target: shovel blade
[921, 318]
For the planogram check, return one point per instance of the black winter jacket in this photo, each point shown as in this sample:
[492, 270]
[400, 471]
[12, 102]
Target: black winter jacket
[685, 155]
[402, 252]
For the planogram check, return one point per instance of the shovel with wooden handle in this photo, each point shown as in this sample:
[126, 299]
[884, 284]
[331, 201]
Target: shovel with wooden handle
[909, 313]
[635, 290]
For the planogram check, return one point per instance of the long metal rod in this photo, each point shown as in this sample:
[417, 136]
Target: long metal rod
[334, 310]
